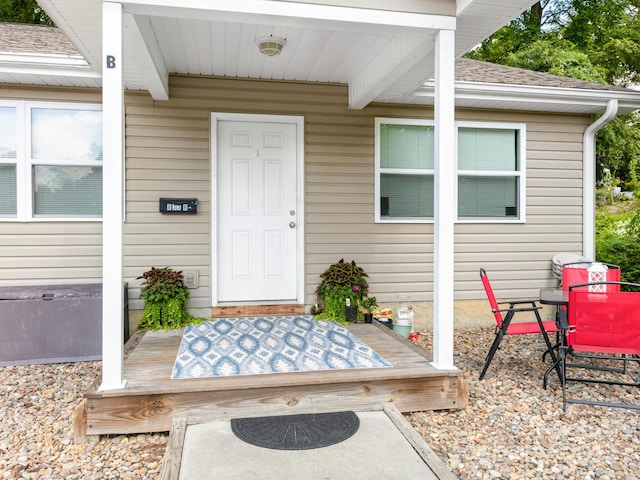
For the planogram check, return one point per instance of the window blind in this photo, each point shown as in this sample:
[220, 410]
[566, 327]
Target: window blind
[407, 195]
[406, 146]
[67, 191]
[488, 149]
[8, 190]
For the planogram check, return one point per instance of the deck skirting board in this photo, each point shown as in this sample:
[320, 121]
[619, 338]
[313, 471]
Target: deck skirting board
[154, 413]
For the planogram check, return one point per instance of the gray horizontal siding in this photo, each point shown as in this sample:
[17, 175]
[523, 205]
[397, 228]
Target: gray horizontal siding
[46, 253]
[168, 155]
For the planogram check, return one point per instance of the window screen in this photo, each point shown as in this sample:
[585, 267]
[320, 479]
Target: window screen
[406, 170]
[8, 155]
[488, 172]
[8, 190]
[67, 191]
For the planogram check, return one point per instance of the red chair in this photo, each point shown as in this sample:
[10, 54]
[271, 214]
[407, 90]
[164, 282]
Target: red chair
[505, 326]
[577, 273]
[602, 328]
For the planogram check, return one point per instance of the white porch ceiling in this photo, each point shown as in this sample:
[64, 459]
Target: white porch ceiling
[379, 54]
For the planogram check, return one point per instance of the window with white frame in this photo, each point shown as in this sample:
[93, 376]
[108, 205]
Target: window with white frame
[8, 161]
[50, 161]
[490, 171]
[405, 169]
[490, 175]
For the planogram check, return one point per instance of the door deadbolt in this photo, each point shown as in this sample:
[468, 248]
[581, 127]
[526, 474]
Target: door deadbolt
[292, 212]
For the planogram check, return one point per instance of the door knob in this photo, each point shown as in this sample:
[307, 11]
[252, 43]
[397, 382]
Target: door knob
[292, 225]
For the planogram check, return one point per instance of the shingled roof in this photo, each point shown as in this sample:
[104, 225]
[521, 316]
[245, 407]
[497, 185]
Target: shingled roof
[468, 70]
[34, 39]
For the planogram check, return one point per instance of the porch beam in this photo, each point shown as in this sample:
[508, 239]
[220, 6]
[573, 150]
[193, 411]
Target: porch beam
[445, 201]
[112, 197]
[397, 57]
[147, 56]
[293, 14]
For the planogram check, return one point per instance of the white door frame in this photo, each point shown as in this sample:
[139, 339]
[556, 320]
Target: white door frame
[242, 117]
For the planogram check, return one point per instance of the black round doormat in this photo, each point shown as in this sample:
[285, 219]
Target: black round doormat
[296, 432]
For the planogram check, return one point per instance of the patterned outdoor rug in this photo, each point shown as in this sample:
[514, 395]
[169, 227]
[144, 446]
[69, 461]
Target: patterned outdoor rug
[251, 346]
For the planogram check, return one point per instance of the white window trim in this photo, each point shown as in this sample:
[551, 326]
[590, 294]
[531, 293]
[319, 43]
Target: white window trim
[522, 194]
[377, 170]
[521, 174]
[24, 161]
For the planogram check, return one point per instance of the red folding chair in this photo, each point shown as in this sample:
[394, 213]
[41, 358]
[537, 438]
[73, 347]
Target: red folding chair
[505, 326]
[578, 273]
[603, 328]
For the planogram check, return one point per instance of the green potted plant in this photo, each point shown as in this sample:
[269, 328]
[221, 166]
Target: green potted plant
[368, 305]
[342, 281]
[165, 297]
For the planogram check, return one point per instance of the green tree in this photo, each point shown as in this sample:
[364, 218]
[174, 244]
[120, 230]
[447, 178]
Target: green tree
[592, 40]
[558, 57]
[23, 11]
[609, 32]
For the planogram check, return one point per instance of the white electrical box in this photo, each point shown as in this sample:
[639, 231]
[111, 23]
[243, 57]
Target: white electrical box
[191, 278]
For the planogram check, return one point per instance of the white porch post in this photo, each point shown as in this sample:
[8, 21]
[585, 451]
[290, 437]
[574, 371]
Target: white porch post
[112, 197]
[445, 202]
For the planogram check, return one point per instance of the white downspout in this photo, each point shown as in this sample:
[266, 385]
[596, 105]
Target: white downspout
[589, 179]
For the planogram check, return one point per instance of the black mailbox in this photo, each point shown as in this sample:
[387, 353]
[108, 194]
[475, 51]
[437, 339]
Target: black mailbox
[178, 205]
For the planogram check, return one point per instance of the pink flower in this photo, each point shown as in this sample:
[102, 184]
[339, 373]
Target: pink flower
[356, 288]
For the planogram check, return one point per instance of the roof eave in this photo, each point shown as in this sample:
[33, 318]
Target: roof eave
[542, 98]
[47, 65]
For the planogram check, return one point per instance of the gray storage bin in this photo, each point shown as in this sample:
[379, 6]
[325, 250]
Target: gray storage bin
[52, 323]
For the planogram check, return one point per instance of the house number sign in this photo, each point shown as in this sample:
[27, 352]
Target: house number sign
[178, 205]
[111, 61]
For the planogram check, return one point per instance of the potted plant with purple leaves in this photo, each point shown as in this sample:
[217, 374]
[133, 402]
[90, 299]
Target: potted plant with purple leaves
[343, 286]
[165, 296]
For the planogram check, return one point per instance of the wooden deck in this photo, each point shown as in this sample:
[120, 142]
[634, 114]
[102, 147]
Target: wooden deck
[151, 399]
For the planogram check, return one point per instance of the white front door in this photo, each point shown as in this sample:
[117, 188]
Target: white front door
[257, 230]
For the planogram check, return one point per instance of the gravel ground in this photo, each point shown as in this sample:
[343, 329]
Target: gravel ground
[511, 429]
[514, 429]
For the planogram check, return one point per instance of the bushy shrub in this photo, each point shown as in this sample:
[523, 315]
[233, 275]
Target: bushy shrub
[618, 242]
[341, 281]
[165, 296]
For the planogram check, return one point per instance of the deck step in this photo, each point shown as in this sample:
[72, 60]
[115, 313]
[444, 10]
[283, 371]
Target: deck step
[256, 310]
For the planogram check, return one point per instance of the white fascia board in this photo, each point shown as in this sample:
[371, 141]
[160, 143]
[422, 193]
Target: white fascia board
[55, 65]
[61, 22]
[558, 95]
[144, 48]
[294, 14]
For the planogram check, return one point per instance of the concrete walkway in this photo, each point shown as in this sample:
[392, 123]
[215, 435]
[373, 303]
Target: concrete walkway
[379, 449]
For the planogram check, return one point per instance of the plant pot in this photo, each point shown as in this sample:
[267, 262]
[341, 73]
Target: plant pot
[351, 313]
[402, 330]
[368, 318]
[403, 321]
